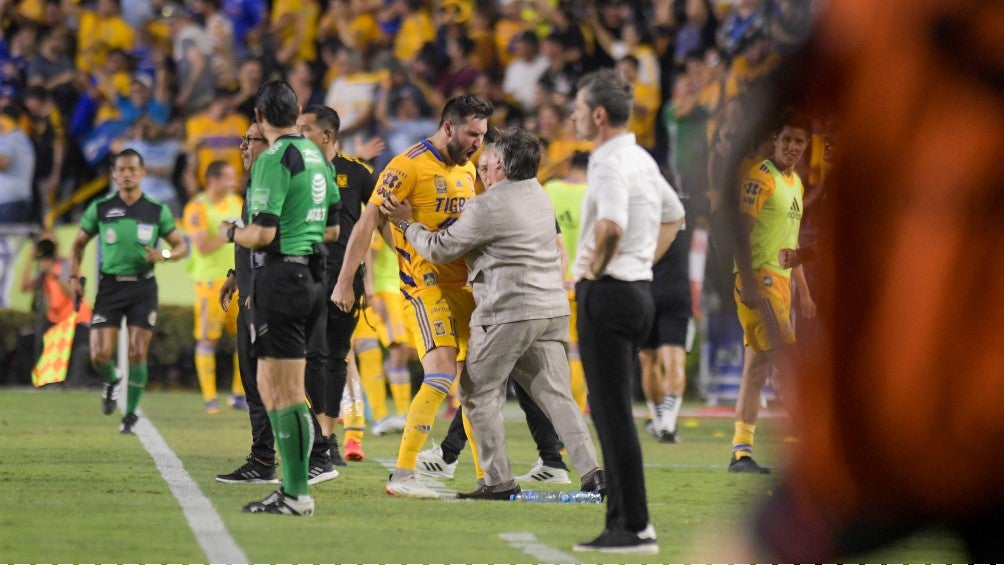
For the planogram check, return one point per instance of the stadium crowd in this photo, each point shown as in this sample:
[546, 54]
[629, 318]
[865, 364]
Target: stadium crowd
[80, 80]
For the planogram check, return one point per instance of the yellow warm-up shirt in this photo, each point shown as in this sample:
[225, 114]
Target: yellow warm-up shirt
[775, 200]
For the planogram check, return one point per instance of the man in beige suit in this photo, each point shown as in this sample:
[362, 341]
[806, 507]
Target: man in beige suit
[520, 321]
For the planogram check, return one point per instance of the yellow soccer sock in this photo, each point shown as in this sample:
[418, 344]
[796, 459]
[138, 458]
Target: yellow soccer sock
[353, 412]
[400, 388]
[742, 441]
[579, 392]
[205, 368]
[421, 417]
[237, 387]
[478, 471]
[370, 362]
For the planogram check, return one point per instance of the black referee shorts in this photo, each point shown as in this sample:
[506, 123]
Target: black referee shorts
[132, 297]
[285, 296]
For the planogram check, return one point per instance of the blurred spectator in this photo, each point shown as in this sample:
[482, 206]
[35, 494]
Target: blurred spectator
[247, 18]
[250, 77]
[685, 119]
[192, 50]
[479, 29]
[352, 95]
[635, 39]
[606, 18]
[416, 28]
[221, 34]
[563, 71]
[212, 135]
[746, 18]
[526, 68]
[557, 133]
[754, 62]
[505, 112]
[48, 137]
[52, 68]
[138, 13]
[404, 120]
[17, 165]
[160, 147]
[698, 32]
[791, 24]
[293, 27]
[301, 78]
[100, 31]
[19, 52]
[353, 23]
[644, 105]
[459, 74]
[509, 24]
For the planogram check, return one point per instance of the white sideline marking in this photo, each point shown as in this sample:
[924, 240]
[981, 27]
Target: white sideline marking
[445, 493]
[205, 522]
[529, 544]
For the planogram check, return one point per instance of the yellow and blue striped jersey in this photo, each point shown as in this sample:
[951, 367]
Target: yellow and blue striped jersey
[437, 193]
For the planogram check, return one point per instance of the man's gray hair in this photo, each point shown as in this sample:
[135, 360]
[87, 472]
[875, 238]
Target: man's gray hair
[519, 151]
[606, 89]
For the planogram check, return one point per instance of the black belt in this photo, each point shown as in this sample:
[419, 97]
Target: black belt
[260, 259]
[129, 278]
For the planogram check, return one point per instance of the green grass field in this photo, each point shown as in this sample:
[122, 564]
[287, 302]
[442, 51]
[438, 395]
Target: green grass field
[74, 490]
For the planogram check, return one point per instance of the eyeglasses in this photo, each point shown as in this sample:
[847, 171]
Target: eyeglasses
[248, 140]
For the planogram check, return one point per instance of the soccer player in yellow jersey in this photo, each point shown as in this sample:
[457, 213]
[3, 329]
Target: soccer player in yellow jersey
[437, 178]
[208, 266]
[770, 213]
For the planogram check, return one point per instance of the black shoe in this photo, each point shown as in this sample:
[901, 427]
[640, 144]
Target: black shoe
[596, 482]
[746, 464]
[335, 452]
[485, 492]
[668, 437]
[252, 472]
[109, 394]
[128, 421]
[281, 503]
[622, 541]
[320, 471]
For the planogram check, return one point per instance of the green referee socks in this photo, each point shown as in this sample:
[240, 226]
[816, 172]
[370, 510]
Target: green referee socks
[294, 436]
[107, 371]
[136, 384]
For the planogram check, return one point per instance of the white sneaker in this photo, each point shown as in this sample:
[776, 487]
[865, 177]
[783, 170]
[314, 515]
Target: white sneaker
[430, 463]
[410, 487]
[543, 474]
[388, 425]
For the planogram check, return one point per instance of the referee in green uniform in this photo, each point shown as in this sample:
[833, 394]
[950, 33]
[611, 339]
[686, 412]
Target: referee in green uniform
[129, 225]
[291, 194]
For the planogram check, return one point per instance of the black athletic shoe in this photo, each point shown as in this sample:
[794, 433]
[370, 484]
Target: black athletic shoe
[109, 394]
[335, 452]
[281, 503]
[320, 472]
[251, 472]
[622, 541]
[746, 464]
[596, 482]
[485, 492]
[668, 437]
[128, 421]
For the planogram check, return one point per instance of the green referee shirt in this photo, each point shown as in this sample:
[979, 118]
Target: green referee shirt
[292, 189]
[125, 230]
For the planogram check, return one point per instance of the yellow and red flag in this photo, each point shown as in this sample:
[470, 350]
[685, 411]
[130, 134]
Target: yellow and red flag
[55, 359]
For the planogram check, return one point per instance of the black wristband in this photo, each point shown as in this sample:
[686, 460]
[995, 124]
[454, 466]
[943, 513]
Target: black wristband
[230, 233]
[231, 273]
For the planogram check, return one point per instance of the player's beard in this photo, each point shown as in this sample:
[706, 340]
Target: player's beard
[456, 152]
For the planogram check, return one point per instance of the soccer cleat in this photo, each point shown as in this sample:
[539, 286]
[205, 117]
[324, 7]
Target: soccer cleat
[650, 428]
[213, 406]
[410, 487]
[320, 472]
[281, 503]
[251, 472]
[238, 402]
[595, 482]
[335, 452]
[666, 436]
[622, 541]
[746, 464]
[544, 474]
[128, 421]
[388, 425]
[109, 394]
[354, 450]
[485, 492]
[431, 463]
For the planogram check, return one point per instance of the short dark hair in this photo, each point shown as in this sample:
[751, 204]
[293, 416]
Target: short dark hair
[794, 119]
[215, 169]
[277, 103]
[606, 89]
[325, 116]
[520, 153]
[580, 160]
[459, 108]
[130, 152]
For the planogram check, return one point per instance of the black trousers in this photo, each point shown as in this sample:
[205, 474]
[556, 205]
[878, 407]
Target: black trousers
[541, 429]
[327, 367]
[614, 317]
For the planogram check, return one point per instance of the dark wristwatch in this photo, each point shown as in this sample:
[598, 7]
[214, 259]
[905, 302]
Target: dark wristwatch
[231, 273]
[230, 233]
[403, 225]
